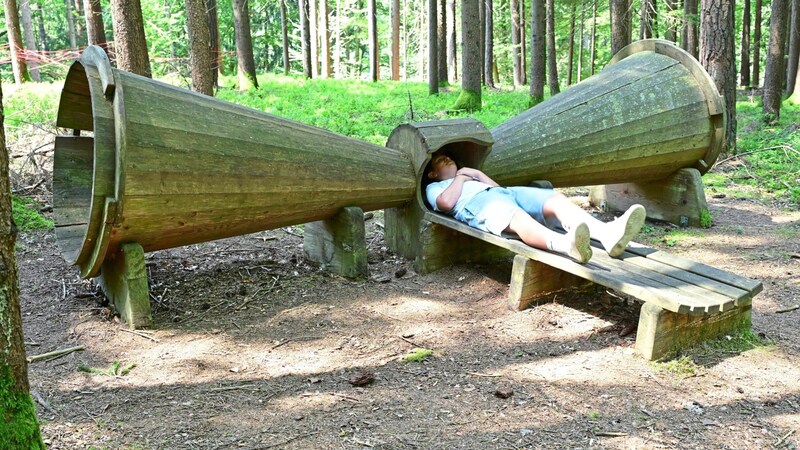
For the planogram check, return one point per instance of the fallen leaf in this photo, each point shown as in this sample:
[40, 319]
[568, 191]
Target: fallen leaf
[362, 378]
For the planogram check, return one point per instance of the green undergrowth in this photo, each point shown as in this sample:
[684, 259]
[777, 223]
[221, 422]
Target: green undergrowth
[19, 428]
[27, 216]
[31, 104]
[713, 350]
[669, 235]
[767, 165]
[418, 355]
[116, 369]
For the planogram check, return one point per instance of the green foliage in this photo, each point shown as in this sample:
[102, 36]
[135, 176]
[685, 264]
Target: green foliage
[19, 429]
[114, 370]
[418, 355]
[705, 219]
[31, 103]
[739, 342]
[27, 216]
[682, 367]
[468, 101]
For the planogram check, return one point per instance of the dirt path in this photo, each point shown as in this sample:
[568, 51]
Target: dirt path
[252, 348]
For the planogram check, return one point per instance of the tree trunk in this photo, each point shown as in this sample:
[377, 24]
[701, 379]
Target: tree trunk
[482, 33]
[488, 45]
[744, 71]
[757, 46]
[580, 44]
[95, 28]
[30, 42]
[794, 99]
[325, 37]
[129, 40]
[374, 57]
[552, 66]
[717, 57]
[43, 45]
[441, 41]
[433, 51]
[671, 31]
[19, 428]
[516, 48]
[593, 51]
[245, 63]
[199, 47]
[794, 47]
[452, 49]
[523, 42]
[690, 42]
[81, 20]
[313, 21]
[395, 12]
[774, 70]
[337, 49]
[571, 51]
[470, 98]
[538, 58]
[305, 37]
[421, 34]
[73, 40]
[620, 24]
[18, 64]
[647, 13]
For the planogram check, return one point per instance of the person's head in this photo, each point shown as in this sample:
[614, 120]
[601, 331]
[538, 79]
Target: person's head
[442, 168]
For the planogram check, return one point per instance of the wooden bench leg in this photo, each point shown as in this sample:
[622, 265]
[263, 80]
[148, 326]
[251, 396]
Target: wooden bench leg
[532, 280]
[123, 278]
[338, 243]
[663, 334]
[679, 198]
[440, 246]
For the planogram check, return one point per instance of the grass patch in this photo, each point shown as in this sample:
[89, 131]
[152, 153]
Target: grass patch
[26, 215]
[736, 343]
[418, 355]
[683, 367]
[116, 369]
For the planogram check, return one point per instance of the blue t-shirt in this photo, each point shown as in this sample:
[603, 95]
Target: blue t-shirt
[471, 189]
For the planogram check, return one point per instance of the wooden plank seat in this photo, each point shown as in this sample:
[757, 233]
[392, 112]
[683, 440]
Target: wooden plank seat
[685, 301]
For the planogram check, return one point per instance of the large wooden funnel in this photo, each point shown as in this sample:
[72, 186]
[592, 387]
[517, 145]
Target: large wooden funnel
[651, 111]
[161, 166]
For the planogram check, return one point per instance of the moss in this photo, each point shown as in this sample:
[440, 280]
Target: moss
[468, 101]
[535, 100]
[19, 428]
[26, 215]
[705, 219]
[418, 355]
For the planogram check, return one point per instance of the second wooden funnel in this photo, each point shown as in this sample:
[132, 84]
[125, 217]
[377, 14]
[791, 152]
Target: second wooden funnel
[160, 166]
[651, 111]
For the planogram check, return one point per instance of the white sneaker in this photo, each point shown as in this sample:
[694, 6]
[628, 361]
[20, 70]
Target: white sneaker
[579, 243]
[623, 229]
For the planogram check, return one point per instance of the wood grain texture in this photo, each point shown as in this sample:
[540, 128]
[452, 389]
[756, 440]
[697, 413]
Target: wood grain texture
[338, 243]
[532, 280]
[124, 281]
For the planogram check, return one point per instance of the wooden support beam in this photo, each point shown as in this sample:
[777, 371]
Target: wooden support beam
[663, 334]
[679, 198]
[441, 246]
[123, 278]
[533, 280]
[338, 243]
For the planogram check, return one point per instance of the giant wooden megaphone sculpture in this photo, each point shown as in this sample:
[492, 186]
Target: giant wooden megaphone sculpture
[150, 166]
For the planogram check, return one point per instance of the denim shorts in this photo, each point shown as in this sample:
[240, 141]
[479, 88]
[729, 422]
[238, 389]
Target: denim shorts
[492, 209]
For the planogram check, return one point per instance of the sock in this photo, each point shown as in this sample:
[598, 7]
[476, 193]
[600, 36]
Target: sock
[615, 235]
[575, 243]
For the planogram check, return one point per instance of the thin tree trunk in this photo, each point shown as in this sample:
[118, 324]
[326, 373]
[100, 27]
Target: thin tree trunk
[523, 42]
[538, 58]
[593, 51]
[285, 39]
[16, 406]
[648, 11]
[794, 47]
[421, 34]
[552, 66]
[482, 34]
[212, 19]
[395, 12]
[488, 46]
[305, 37]
[433, 51]
[30, 42]
[717, 57]
[774, 70]
[405, 44]
[571, 51]
[199, 47]
[337, 50]
[374, 58]
[95, 28]
[671, 32]
[129, 41]
[470, 98]
[18, 64]
[246, 64]
[690, 42]
[78, 9]
[43, 41]
[452, 49]
[441, 41]
[744, 71]
[516, 48]
[580, 44]
[313, 37]
[325, 36]
[757, 45]
[620, 24]
[73, 41]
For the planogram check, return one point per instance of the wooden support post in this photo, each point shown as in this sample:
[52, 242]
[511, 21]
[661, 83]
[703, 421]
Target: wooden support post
[440, 246]
[678, 199]
[338, 243]
[663, 334]
[532, 280]
[124, 280]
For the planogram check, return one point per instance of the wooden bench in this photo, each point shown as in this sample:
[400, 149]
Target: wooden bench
[685, 302]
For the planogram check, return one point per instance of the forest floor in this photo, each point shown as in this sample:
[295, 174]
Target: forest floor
[252, 347]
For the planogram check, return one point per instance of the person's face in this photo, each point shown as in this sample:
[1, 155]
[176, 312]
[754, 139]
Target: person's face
[442, 168]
